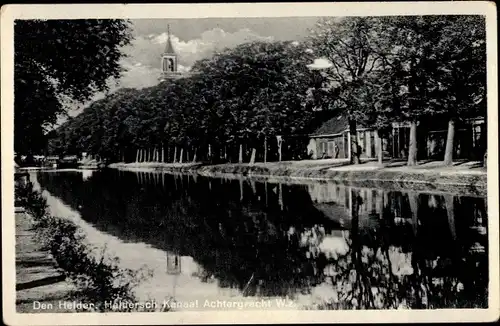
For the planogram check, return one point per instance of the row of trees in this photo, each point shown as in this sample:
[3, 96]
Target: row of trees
[405, 69]
[382, 69]
[236, 100]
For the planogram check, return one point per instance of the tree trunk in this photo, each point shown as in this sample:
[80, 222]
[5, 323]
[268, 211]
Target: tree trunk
[280, 144]
[209, 152]
[412, 146]
[136, 156]
[180, 157]
[162, 153]
[187, 155]
[380, 155]
[448, 153]
[265, 149]
[240, 156]
[195, 154]
[355, 154]
[175, 154]
[252, 158]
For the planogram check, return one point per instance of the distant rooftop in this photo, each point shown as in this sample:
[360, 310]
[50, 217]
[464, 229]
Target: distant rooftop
[335, 125]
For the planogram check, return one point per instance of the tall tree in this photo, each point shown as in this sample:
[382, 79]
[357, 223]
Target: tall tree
[461, 56]
[348, 44]
[58, 62]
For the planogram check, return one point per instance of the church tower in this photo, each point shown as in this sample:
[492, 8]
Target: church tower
[169, 61]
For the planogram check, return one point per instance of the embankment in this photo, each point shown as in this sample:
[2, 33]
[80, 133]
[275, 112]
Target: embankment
[426, 177]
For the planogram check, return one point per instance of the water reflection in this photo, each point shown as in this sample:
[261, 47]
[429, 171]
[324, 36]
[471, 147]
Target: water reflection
[369, 248]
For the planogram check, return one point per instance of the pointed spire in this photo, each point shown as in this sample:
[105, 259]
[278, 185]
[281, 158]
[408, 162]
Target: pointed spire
[169, 49]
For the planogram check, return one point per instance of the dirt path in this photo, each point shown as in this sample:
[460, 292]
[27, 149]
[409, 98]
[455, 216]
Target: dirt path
[38, 280]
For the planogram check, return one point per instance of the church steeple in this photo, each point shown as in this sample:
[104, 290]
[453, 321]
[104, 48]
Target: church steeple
[169, 59]
[169, 49]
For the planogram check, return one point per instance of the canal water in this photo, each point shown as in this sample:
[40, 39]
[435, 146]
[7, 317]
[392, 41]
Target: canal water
[316, 245]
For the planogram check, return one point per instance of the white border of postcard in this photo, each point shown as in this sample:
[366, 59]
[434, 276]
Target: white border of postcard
[150, 11]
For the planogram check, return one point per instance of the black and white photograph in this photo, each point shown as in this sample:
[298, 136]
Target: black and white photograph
[252, 160]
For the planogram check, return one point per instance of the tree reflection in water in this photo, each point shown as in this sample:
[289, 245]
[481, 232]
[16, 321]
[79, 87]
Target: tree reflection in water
[409, 250]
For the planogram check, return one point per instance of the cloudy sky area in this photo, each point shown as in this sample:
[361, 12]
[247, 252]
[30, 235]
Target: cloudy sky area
[194, 39]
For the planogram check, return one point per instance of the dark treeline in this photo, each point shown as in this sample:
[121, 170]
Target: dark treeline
[234, 230]
[381, 70]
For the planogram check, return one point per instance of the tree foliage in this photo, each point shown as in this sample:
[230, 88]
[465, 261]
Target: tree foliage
[58, 62]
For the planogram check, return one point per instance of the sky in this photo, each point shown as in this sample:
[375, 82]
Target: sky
[194, 39]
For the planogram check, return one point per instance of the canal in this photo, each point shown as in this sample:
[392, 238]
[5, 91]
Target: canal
[316, 243]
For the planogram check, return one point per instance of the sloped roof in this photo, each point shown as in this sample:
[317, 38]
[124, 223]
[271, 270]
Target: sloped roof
[335, 125]
[169, 48]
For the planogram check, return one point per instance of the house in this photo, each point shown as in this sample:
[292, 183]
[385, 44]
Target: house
[332, 140]
[469, 143]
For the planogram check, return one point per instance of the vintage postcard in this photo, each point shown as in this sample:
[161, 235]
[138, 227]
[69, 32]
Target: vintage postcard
[249, 163]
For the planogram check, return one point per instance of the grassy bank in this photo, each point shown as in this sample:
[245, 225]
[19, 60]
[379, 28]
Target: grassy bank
[462, 178]
[97, 278]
